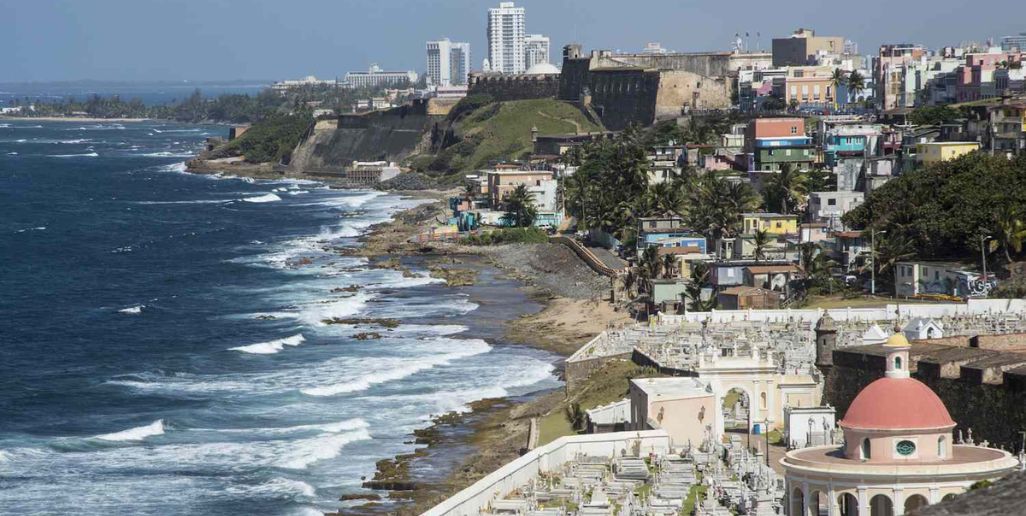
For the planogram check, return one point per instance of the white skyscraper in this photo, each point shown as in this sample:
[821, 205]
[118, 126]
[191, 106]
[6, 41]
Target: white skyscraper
[448, 63]
[506, 30]
[536, 50]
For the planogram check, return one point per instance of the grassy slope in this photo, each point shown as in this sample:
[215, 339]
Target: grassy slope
[606, 385]
[502, 131]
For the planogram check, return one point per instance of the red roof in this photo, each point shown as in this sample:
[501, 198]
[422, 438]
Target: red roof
[897, 404]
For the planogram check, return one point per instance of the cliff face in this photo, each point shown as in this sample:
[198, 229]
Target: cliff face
[390, 135]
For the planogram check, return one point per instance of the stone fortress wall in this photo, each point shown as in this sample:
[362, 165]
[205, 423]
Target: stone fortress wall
[645, 88]
[513, 87]
[982, 380]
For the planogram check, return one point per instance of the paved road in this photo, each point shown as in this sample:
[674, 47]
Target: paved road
[608, 258]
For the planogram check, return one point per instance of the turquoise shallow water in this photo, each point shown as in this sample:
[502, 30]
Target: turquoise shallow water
[163, 350]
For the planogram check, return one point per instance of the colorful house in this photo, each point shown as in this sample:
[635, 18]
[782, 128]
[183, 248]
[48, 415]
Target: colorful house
[934, 152]
[774, 142]
[772, 223]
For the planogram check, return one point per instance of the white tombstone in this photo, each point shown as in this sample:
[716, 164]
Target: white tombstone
[874, 335]
[921, 328]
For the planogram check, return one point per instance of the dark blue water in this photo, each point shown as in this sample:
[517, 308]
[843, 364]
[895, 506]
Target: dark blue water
[162, 340]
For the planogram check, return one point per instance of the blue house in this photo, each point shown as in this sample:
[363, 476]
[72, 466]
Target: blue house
[667, 231]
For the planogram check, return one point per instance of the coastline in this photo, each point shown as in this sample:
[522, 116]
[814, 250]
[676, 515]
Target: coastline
[495, 430]
[74, 119]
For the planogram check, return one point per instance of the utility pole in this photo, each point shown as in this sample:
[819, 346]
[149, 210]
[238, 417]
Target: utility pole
[872, 255]
[983, 253]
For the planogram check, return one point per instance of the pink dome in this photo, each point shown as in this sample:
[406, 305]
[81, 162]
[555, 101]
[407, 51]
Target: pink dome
[897, 404]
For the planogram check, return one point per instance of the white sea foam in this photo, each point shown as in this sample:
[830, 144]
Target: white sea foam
[298, 192]
[335, 427]
[198, 201]
[165, 154]
[132, 310]
[135, 434]
[87, 155]
[315, 313]
[174, 167]
[308, 451]
[12, 153]
[468, 348]
[263, 198]
[37, 228]
[98, 127]
[271, 347]
[276, 487]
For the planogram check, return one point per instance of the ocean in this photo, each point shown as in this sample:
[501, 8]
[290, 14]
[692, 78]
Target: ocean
[163, 348]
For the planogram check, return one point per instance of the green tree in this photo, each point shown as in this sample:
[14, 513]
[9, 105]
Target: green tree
[933, 115]
[856, 84]
[838, 78]
[761, 240]
[701, 278]
[787, 190]
[520, 208]
[1010, 231]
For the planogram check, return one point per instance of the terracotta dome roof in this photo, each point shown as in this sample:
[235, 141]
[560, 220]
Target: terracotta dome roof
[896, 404]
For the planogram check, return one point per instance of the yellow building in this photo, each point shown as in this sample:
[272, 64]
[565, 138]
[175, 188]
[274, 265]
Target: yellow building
[772, 223]
[943, 151]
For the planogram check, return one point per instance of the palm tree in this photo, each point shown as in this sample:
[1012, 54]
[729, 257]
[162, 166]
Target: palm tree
[669, 266]
[630, 282]
[692, 295]
[789, 188]
[648, 264]
[470, 190]
[662, 198]
[520, 209]
[893, 249]
[856, 84]
[761, 240]
[1011, 231]
[837, 79]
[814, 262]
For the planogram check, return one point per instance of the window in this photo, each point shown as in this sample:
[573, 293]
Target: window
[831, 202]
[897, 363]
[905, 448]
[779, 225]
[866, 450]
[794, 129]
[941, 448]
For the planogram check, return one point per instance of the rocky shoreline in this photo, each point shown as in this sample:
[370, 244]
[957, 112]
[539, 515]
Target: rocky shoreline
[494, 431]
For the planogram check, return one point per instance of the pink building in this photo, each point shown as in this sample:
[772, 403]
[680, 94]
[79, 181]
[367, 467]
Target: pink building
[976, 76]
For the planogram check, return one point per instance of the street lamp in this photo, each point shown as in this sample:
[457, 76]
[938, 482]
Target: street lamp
[872, 256]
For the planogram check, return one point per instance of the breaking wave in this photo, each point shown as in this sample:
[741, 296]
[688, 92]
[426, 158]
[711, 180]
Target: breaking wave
[132, 310]
[135, 434]
[470, 348]
[263, 198]
[271, 347]
[87, 155]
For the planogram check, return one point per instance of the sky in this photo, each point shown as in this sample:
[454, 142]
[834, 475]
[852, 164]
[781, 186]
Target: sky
[206, 40]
